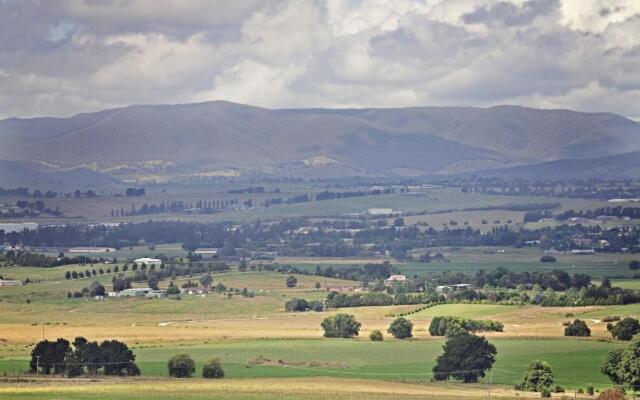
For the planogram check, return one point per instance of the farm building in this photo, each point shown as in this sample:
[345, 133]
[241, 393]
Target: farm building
[147, 261]
[453, 288]
[7, 282]
[380, 211]
[135, 292]
[207, 252]
[90, 250]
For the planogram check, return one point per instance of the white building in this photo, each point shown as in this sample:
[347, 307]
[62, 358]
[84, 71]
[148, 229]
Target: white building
[380, 211]
[6, 282]
[395, 279]
[147, 261]
[206, 252]
[91, 250]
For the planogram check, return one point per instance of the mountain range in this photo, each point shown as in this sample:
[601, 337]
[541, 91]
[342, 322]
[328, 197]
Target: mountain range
[198, 141]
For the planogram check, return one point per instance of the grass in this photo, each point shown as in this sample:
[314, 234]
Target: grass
[235, 389]
[575, 362]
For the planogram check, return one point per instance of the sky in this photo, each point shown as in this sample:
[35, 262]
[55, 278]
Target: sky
[59, 58]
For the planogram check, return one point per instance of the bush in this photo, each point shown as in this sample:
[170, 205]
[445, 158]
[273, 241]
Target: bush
[292, 281]
[577, 328]
[376, 336]
[547, 259]
[610, 318]
[612, 394]
[401, 328]
[634, 265]
[341, 326]
[181, 366]
[213, 369]
[537, 378]
[545, 393]
[449, 326]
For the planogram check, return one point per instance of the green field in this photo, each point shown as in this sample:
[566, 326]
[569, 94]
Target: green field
[575, 362]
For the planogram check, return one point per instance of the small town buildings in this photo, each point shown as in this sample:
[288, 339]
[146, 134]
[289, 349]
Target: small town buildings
[9, 282]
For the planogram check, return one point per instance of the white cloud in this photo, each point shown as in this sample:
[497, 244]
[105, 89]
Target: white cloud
[87, 55]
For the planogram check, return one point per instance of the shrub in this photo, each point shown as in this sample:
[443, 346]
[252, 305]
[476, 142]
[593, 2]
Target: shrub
[401, 328]
[612, 394]
[545, 393]
[292, 281]
[181, 366]
[547, 259]
[537, 378]
[341, 326]
[213, 369]
[376, 336]
[610, 318]
[449, 326]
[577, 328]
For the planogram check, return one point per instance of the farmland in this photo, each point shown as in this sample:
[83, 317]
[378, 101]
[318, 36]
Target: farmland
[267, 352]
[258, 342]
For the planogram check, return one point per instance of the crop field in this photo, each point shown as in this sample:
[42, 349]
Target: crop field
[99, 209]
[471, 260]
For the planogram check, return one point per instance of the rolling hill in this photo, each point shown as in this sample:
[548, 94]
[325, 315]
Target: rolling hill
[213, 138]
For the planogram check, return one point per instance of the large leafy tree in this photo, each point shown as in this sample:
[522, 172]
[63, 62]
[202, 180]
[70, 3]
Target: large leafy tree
[577, 328]
[466, 357]
[401, 328]
[341, 326]
[537, 378]
[623, 367]
[50, 356]
[117, 359]
[626, 329]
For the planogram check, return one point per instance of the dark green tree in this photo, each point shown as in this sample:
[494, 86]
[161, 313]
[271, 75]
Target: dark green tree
[577, 328]
[465, 357]
[401, 328]
[626, 329]
[292, 281]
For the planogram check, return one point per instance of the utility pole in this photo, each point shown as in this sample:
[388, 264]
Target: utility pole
[42, 330]
[490, 380]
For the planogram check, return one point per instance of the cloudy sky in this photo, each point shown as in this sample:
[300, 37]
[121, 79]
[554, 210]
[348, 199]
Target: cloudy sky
[64, 57]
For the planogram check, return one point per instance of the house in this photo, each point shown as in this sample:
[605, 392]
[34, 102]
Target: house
[147, 261]
[395, 279]
[7, 282]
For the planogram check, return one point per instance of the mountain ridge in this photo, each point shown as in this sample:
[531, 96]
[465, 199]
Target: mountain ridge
[192, 138]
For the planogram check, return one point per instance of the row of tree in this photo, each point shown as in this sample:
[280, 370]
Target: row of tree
[109, 357]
